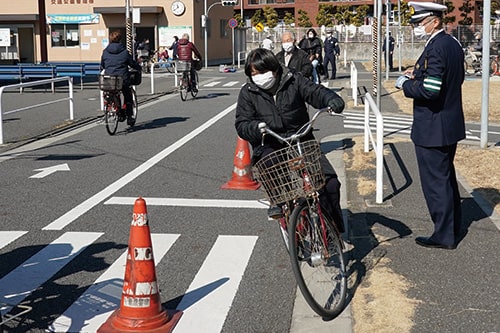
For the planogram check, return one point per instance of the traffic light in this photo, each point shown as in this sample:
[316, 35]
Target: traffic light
[229, 2]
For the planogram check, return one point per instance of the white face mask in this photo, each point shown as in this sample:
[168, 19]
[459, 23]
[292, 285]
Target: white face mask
[287, 47]
[310, 35]
[264, 81]
[420, 32]
[328, 35]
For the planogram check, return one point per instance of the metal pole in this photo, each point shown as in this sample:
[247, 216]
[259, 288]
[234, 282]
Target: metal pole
[486, 73]
[379, 61]
[400, 38]
[387, 46]
[71, 99]
[128, 27]
[206, 34]
[233, 44]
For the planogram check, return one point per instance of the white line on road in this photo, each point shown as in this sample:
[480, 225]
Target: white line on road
[211, 84]
[188, 202]
[22, 281]
[95, 305]
[93, 201]
[230, 84]
[210, 295]
[7, 237]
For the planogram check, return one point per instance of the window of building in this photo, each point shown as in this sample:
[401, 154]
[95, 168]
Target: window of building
[224, 28]
[65, 35]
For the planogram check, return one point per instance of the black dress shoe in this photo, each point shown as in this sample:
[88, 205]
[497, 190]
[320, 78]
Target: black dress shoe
[427, 242]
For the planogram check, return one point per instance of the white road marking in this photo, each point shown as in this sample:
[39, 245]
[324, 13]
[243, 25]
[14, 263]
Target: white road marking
[88, 204]
[210, 295]
[230, 84]
[44, 172]
[211, 84]
[97, 303]
[188, 202]
[7, 237]
[22, 281]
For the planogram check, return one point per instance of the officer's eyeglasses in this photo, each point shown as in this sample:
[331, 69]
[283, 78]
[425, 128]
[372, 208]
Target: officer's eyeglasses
[421, 23]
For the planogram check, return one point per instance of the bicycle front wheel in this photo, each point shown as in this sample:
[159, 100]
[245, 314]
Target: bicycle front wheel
[111, 114]
[194, 89]
[184, 83]
[317, 259]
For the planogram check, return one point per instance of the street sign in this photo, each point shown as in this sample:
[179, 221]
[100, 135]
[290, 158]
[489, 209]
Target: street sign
[5, 37]
[233, 23]
[259, 26]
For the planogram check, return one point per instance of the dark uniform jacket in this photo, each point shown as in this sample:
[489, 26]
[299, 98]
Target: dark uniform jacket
[299, 61]
[116, 60]
[285, 112]
[436, 89]
[331, 46]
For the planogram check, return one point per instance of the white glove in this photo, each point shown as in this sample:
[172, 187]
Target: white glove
[401, 80]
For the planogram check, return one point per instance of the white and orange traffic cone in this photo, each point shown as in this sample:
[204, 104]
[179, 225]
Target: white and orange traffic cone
[242, 170]
[140, 307]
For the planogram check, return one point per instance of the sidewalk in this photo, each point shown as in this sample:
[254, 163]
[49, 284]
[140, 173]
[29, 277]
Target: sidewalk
[440, 290]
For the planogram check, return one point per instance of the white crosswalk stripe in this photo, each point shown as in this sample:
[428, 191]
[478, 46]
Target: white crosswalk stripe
[393, 125]
[27, 277]
[230, 84]
[216, 282]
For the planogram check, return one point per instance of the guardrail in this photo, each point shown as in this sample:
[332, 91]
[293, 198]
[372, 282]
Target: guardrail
[239, 57]
[36, 83]
[354, 83]
[378, 144]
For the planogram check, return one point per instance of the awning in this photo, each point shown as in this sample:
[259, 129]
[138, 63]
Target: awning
[18, 17]
[121, 10]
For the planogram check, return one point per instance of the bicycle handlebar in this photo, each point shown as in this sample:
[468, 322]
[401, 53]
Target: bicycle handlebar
[300, 132]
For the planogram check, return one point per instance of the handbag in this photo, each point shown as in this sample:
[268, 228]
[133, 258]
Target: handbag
[135, 77]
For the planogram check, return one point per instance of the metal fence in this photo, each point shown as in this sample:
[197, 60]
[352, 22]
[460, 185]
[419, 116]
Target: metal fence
[351, 34]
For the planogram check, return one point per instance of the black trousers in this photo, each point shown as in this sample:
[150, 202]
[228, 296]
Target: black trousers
[330, 58]
[441, 193]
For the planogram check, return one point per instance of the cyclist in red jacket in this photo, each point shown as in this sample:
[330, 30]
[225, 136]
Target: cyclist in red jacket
[185, 50]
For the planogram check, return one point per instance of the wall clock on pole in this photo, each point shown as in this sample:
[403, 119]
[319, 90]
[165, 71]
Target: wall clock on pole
[178, 8]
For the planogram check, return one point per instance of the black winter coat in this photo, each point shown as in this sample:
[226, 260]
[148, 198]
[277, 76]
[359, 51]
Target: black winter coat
[285, 112]
[299, 61]
[115, 60]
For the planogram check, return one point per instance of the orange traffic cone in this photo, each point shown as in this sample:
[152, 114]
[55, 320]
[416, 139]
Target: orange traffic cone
[242, 171]
[140, 307]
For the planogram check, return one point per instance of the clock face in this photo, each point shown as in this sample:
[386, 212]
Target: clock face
[178, 8]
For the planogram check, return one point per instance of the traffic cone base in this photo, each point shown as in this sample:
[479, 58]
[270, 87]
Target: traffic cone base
[242, 170]
[162, 323]
[140, 307]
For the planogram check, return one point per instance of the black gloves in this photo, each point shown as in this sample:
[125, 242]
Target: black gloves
[337, 105]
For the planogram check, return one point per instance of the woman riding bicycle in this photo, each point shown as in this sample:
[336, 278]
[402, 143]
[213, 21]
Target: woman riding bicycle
[277, 96]
[116, 60]
[185, 50]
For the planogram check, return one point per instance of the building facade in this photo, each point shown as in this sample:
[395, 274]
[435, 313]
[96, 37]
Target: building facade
[36, 31]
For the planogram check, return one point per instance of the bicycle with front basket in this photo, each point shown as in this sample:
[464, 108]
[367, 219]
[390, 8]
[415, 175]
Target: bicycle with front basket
[114, 108]
[292, 178]
[185, 83]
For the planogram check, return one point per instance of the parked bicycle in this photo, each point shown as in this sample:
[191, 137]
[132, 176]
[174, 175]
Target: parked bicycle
[114, 107]
[292, 178]
[473, 62]
[185, 83]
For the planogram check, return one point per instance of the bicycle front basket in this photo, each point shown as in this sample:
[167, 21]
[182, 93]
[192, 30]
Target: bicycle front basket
[282, 172]
[110, 82]
[183, 65]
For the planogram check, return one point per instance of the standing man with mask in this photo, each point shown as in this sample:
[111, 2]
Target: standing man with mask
[293, 57]
[332, 50]
[435, 85]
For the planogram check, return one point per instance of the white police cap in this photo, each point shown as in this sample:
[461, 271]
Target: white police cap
[421, 10]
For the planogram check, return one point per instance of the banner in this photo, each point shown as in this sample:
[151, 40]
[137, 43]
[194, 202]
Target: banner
[72, 18]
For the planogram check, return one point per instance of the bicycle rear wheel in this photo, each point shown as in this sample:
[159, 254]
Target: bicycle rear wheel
[135, 108]
[111, 113]
[183, 87]
[194, 89]
[317, 259]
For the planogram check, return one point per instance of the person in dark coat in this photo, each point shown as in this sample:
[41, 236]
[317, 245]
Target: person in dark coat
[332, 51]
[293, 57]
[185, 50]
[116, 60]
[173, 47]
[312, 45]
[435, 85]
[391, 51]
[279, 97]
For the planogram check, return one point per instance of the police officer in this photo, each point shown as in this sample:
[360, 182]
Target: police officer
[435, 84]
[391, 51]
[332, 50]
